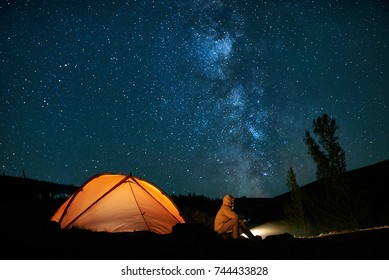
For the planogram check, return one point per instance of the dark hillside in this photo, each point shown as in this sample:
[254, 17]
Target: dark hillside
[26, 202]
[259, 210]
[27, 189]
[372, 181]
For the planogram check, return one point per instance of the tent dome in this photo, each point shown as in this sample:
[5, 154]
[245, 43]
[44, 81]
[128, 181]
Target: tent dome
[119, 203]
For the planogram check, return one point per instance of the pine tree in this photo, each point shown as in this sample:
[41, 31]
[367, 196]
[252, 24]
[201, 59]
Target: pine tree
[329, 157]
[336, 206]
[294, 211]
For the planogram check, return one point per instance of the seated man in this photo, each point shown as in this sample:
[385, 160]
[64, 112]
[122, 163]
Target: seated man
[226, 219]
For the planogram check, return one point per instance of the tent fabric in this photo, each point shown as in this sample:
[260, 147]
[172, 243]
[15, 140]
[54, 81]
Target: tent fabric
[119, 203]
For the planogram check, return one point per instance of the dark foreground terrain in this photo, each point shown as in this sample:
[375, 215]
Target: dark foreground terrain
[189, 242]
[26, 232]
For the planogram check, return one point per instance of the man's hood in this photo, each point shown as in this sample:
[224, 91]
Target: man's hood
[227, 199]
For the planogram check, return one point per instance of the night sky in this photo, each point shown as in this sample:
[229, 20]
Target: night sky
[205, 97]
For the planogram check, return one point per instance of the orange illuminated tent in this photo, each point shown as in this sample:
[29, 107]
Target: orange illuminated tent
[119, 203]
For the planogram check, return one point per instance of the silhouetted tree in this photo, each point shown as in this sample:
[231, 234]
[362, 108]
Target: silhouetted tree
[329, 157]
[336, 205]
[294, 211]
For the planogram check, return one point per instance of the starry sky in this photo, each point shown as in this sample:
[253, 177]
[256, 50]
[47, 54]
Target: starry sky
[204, 96]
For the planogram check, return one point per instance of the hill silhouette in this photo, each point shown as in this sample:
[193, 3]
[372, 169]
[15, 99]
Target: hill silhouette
[26, 206]
[371, 180]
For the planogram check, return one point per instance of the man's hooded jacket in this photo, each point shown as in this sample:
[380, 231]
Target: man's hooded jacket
[225, 213]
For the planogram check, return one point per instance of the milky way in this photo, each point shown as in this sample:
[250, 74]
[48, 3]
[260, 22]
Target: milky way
[205, 97]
